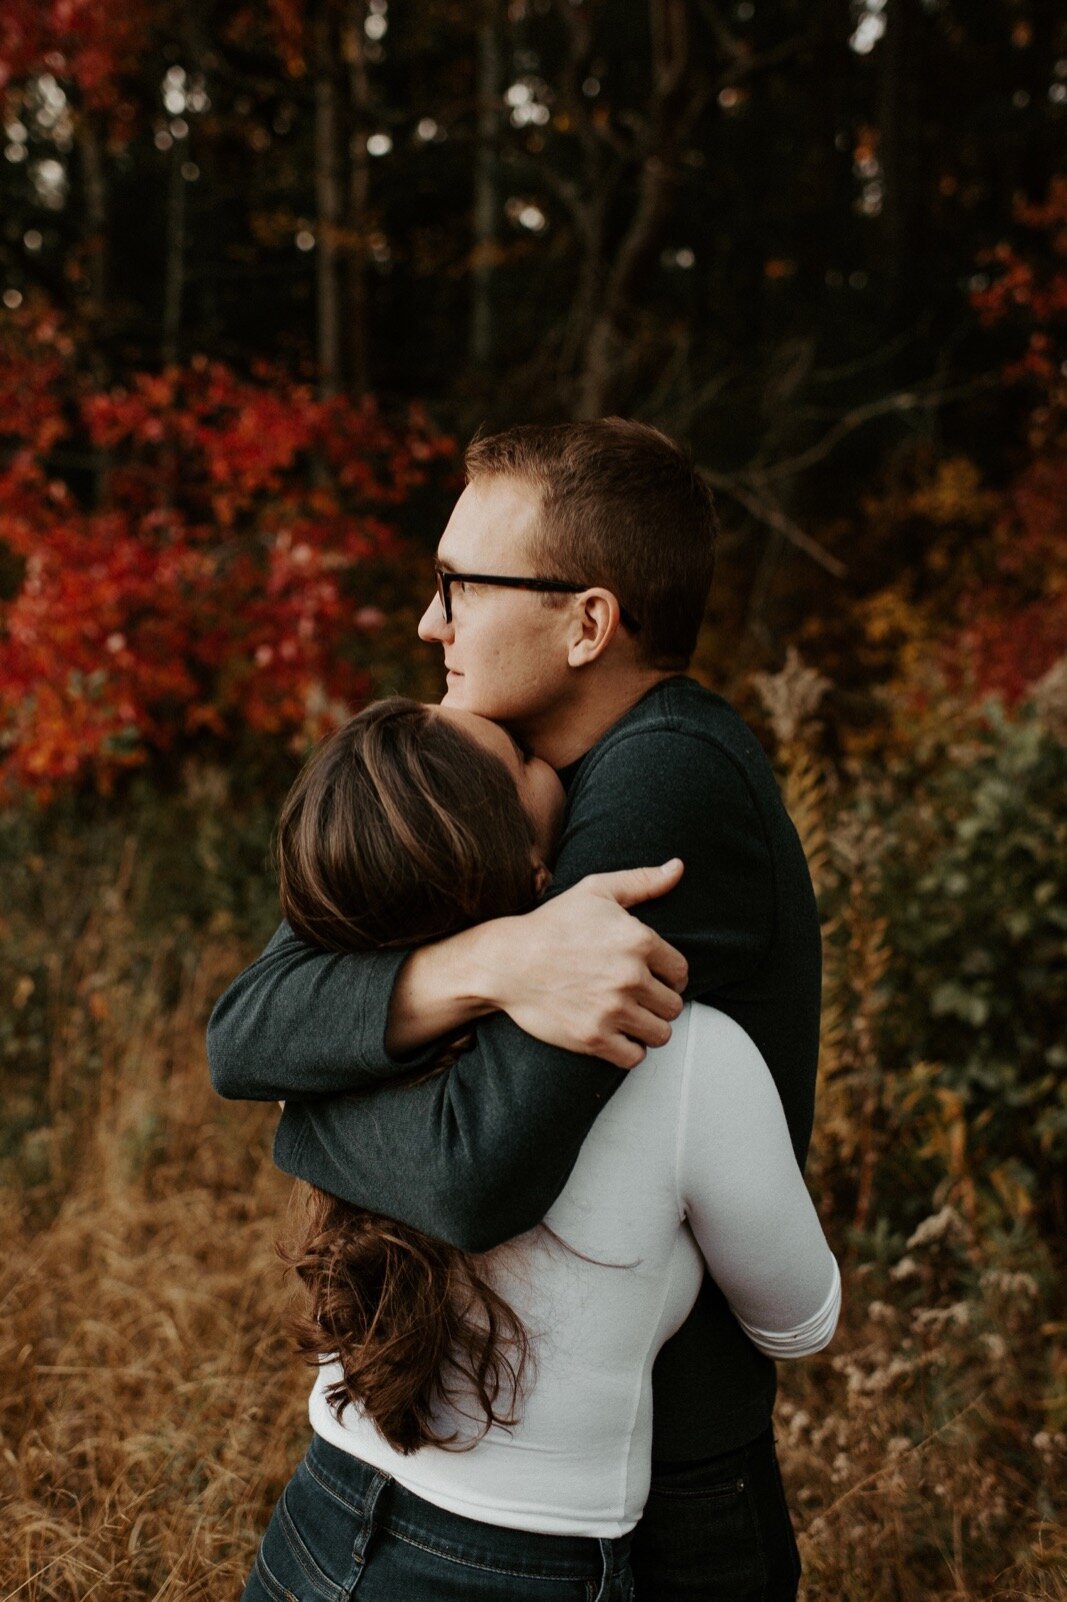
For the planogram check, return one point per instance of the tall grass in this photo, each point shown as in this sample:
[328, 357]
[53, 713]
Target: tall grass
[150, 1411]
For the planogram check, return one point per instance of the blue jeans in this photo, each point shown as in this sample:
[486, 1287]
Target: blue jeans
[717, 1531]
[342, 1529]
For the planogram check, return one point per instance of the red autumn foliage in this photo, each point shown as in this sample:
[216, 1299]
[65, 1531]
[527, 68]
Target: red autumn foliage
[212, 584]
[1015, 613]
[1014, 609]
[91, 45]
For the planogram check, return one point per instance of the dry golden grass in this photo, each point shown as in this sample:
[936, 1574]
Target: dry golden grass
[150, 1412]
[910, 1452]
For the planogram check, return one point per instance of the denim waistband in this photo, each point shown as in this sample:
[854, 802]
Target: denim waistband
[356, 1484]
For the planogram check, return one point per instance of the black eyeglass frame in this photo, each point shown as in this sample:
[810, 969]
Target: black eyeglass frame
[446, 578]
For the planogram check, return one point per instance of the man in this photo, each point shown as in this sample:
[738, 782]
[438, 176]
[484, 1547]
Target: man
[572, 579]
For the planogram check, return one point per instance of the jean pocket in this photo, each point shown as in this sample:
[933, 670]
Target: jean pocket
[411, 1568]
[700, 1541]
[307, 1552]
[721, 1492]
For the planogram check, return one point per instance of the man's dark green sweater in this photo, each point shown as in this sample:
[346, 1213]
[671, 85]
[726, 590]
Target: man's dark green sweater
[478, 1154]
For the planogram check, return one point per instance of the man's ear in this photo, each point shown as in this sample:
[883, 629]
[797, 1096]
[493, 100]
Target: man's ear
[596, 622]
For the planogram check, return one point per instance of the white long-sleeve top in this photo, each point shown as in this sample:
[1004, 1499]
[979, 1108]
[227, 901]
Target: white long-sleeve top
[689, 1164]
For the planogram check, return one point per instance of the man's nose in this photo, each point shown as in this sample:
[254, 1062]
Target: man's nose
[432, 625]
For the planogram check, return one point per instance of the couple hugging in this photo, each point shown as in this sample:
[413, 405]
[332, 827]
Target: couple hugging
[558, 1232]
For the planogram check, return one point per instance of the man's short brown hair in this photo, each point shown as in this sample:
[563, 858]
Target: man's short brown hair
[622, 507]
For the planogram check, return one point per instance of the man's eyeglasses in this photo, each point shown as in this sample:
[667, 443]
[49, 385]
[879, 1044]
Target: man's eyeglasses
[446, 578]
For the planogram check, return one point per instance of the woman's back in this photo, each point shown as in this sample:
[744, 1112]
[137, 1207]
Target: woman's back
[692, 1148]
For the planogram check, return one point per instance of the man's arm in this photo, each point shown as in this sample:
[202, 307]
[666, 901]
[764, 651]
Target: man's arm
[468, 1155]
[580, 972]
[479, 1153]
[303, 1022]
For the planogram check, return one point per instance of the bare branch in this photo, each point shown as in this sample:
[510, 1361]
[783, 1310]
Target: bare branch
[653, 406]
[594, 132]
[903, 402]
[680, 419]
[874, 358]
[744, 61]
[536, 167]
[748, 66]
[727, 41]
[773, 517]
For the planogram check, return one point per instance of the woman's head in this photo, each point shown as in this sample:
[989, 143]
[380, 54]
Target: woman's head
[408, 824]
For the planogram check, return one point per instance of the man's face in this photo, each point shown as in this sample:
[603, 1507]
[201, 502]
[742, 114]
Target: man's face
[505, 651]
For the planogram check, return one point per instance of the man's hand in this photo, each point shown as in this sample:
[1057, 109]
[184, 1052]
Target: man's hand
[578, 972]
[581, 973]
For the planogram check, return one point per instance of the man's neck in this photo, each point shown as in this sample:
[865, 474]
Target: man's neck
[570, 731]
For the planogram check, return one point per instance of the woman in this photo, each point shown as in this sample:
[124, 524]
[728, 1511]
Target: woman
[482, 1425]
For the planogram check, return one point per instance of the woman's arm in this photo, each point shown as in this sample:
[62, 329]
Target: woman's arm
[745, 1198]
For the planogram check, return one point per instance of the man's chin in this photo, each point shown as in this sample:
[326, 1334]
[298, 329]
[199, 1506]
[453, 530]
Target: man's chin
[462, 698]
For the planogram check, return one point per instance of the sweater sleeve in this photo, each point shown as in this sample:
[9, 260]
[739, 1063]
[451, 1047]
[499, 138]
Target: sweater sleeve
[741, 1190]
[305, 1022]
[474, 1155]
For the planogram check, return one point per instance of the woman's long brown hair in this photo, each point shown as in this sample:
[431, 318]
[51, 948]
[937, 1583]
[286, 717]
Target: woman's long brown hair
[401, 830]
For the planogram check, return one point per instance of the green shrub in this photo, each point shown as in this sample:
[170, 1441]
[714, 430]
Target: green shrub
[947, 973]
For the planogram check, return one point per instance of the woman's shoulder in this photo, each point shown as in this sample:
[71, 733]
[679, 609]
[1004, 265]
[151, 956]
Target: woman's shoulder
[717, 1047]
[700, 1035]
[710, 1062]
[709, 1025]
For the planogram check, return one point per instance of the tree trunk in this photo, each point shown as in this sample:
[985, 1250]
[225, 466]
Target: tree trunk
[900, 77]
[96, 216]
[96, 213]
[357, 221]
[174, 269]
[1040, 154]
[328, 204]
[674, 103]
[486, 197]
[606, 349]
